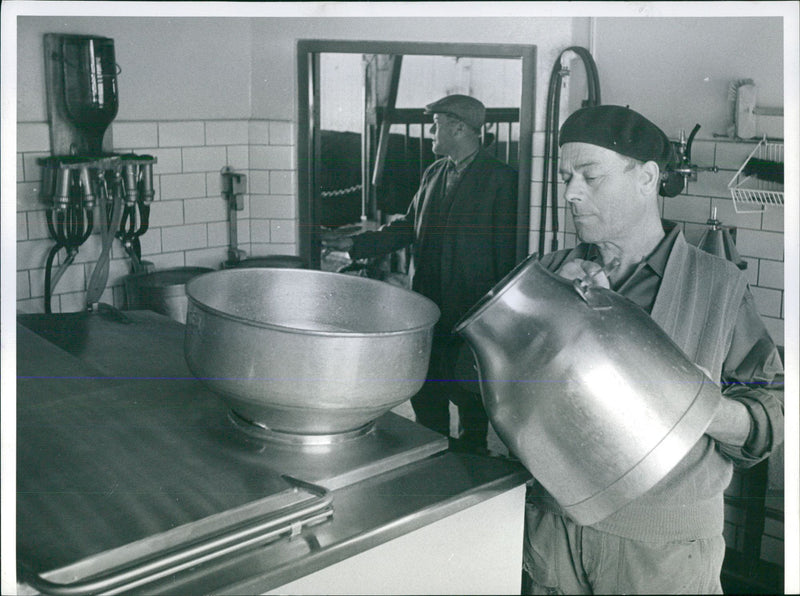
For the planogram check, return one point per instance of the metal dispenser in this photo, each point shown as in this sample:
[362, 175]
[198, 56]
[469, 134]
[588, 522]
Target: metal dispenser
[82, 175]
[719, 240]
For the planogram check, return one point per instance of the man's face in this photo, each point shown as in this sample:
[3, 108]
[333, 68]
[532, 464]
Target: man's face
[603, 190]
[442, 130]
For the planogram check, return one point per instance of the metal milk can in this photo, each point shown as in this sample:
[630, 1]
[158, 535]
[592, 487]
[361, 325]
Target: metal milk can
[585, 388]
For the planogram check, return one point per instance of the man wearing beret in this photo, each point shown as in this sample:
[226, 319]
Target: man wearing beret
[615, 163]
[461, 225]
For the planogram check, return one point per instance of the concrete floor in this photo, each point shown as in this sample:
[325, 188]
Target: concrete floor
[495, 444]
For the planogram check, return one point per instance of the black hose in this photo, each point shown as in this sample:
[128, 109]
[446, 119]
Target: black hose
[551, 136]
[129, 233]
[144, 225]
[70, 228]
[689, 141]
[47, 277]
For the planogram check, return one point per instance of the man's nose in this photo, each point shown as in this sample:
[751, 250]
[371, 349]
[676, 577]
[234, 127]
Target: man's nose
[573, 191]
[433, 128]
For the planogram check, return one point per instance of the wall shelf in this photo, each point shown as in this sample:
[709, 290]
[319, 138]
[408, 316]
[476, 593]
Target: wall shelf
[752, 194]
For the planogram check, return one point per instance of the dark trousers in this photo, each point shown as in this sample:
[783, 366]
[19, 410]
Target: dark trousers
[432, 403]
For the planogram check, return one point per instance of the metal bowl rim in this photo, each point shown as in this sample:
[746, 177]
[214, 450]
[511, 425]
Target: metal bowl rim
[314, 332]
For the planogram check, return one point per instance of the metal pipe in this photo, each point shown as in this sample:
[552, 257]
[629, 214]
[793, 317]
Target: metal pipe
[86, 184]
[148, 192]
[131, 184]
[61, 197]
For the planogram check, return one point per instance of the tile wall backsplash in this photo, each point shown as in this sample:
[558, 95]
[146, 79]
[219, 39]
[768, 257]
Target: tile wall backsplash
[189, 218]
[189, 223]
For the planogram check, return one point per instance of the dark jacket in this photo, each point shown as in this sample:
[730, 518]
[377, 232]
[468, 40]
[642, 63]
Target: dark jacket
[463, 244]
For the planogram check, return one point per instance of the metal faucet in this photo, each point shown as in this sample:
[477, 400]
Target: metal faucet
[684, 150]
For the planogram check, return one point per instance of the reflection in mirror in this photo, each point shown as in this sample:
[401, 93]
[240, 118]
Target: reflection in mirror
[368, 140]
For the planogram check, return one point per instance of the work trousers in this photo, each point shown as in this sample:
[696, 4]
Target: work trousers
[561, 557]
[432, 403]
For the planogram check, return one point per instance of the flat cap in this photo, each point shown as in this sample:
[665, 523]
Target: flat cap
[628, 133]
[467, 109]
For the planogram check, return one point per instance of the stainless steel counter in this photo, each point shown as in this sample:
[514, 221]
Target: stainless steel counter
[132, 477]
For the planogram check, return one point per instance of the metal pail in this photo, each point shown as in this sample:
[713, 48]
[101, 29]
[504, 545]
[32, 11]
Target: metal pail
[161, 291]
[269, 261]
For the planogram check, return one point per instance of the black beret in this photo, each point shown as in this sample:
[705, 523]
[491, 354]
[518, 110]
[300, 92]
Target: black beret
[628, 133]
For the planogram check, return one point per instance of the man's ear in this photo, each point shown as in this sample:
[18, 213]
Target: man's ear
[650, 176]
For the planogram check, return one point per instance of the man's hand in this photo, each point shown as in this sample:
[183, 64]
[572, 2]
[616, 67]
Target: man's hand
[333, 241]
[588, 272]
[731, 423]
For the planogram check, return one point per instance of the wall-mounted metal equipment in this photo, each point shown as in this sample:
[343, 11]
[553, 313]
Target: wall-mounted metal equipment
[234, 186]
[720, 240]
[83, 175]
[683, 150]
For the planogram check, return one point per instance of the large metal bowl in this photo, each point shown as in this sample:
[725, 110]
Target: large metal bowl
[307, 352]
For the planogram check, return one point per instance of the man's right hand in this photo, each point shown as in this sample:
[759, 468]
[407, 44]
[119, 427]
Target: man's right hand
[333, 241]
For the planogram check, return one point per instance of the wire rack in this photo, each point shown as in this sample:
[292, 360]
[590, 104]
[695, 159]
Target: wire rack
[750, 194]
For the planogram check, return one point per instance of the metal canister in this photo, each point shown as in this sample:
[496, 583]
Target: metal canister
[585, 388]
[161, 291]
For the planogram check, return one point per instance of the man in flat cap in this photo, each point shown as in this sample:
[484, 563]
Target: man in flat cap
[615, 163]
[461, 225]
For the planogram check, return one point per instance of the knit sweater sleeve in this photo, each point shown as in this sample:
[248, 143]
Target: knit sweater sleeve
[748, 372]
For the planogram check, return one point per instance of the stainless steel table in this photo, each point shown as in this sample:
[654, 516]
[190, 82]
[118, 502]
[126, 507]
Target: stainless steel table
[132, 477]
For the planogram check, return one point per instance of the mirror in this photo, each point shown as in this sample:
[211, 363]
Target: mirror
[364, 141]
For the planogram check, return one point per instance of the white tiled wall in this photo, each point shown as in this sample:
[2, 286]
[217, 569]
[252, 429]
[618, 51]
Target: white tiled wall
[759, 236]
[188, 218]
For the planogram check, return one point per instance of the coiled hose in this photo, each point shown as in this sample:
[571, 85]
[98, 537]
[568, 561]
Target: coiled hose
[551, 136]
[70, 228]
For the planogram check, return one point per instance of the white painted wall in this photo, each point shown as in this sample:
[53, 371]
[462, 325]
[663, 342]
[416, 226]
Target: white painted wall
[172, 68]
[274, 42]
[678, 71]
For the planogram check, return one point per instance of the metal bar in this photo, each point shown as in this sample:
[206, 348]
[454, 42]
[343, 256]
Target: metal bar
[764, 111]
[421, 149]
[509, 129]
[413, 48]
[268, 527]
[308, 153]
[525, 149]
[386, 123]
[366, 149]
[417, 115]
